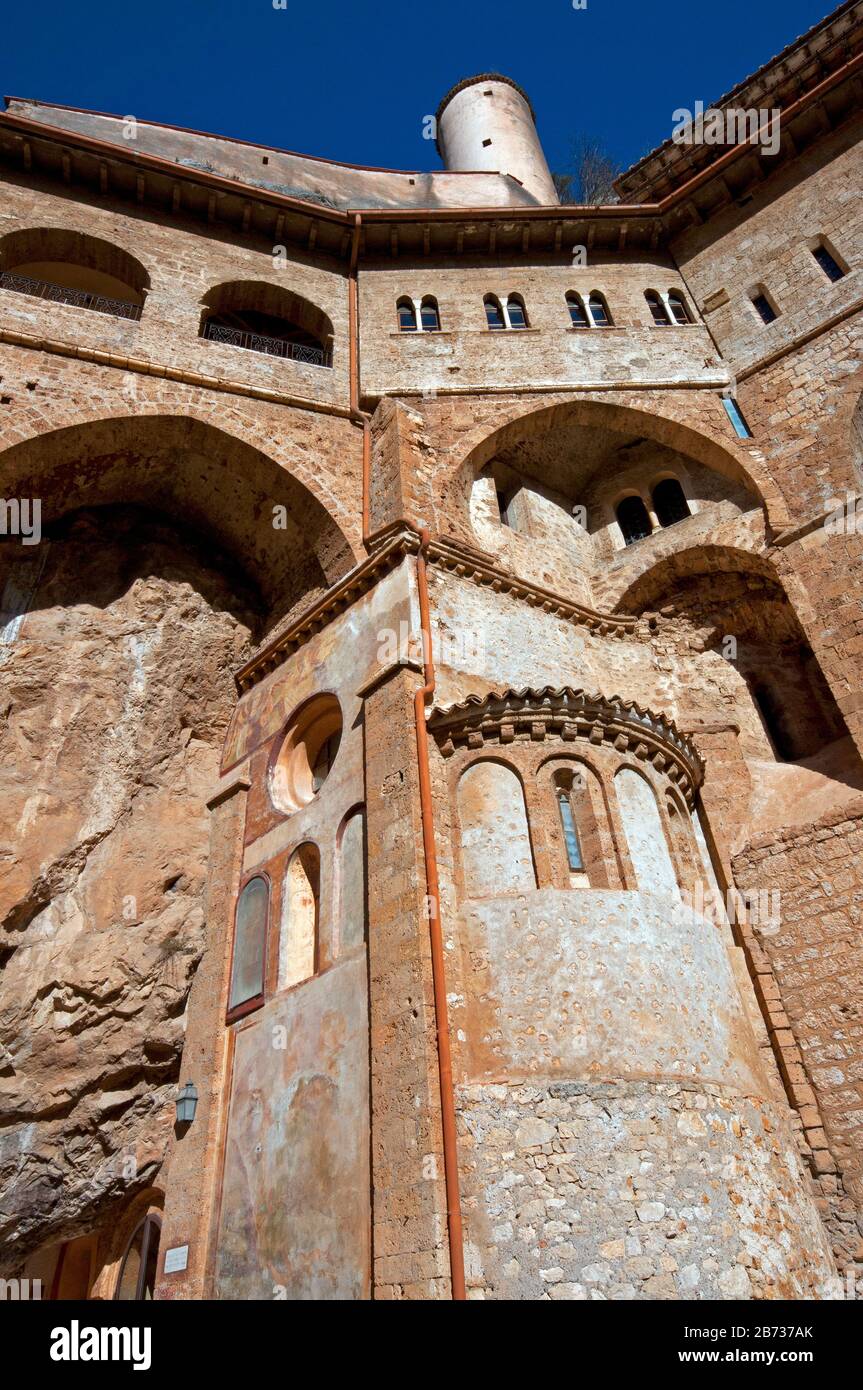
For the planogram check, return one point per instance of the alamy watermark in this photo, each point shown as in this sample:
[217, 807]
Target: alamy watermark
[845, 517]
[760, 908]
[21, 516]
[732, 126]
[404, 644]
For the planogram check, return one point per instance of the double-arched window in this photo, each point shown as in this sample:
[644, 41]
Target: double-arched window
[418, 315]
[592, 312]
[668, 505]
[509, 312]
[668, 309]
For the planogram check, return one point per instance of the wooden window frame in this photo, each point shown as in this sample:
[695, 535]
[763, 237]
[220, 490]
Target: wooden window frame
[152, 1218]
[248, 1006]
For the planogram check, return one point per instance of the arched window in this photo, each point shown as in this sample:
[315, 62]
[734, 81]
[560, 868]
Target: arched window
[298, 939]
[578, 795]
[516, 312]
[570, 831]
[67, 267]
[250, 948]
[577, 311]
[657, 309]
[495, 842]
[493, 312]
[648, 848]
[669, 502]
[679, 307]
[599, 311]
[407, 316]
[633, 520]
[138, 1270]
[352, 882]
[429, 315]
[262, 317]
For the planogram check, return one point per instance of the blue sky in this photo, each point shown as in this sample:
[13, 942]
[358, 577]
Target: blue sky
[353, 81]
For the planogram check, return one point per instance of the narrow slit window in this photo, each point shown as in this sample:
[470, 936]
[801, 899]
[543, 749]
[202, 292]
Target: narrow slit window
[505, 501]
[831, 267]
[570, 833]
[764, 308]
[735, 415]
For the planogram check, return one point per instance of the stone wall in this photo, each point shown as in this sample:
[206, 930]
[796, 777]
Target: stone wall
[816, 960]
[635, 1190]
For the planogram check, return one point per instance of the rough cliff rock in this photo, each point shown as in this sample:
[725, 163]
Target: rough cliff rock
[116, 691]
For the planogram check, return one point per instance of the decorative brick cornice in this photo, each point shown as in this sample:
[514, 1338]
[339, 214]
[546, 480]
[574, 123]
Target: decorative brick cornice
[354, 584]
[532, 715]
[480, 568]
[389, 546]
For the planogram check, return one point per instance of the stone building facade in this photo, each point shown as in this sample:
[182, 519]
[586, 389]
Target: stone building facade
[432, 721]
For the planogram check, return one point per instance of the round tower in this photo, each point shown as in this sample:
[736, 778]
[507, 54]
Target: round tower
[487, 122]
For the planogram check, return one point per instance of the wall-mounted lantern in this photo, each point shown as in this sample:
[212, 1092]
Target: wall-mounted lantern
[187, 1104]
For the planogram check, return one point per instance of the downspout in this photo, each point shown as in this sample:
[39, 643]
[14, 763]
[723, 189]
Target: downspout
[358, 417]
[447, 1096]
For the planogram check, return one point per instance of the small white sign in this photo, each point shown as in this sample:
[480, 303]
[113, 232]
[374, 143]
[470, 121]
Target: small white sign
[176, 1259]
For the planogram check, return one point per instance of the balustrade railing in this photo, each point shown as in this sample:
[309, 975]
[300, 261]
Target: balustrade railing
[261, 342]
[61, 294]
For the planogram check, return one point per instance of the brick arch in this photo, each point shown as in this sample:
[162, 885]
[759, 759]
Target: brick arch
[239, 421]
[275, 300]
[27, 244]
[223, 487]
[743, 466]
[696, 562]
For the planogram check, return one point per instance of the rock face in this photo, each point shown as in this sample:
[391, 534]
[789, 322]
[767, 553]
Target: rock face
[116, 694]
